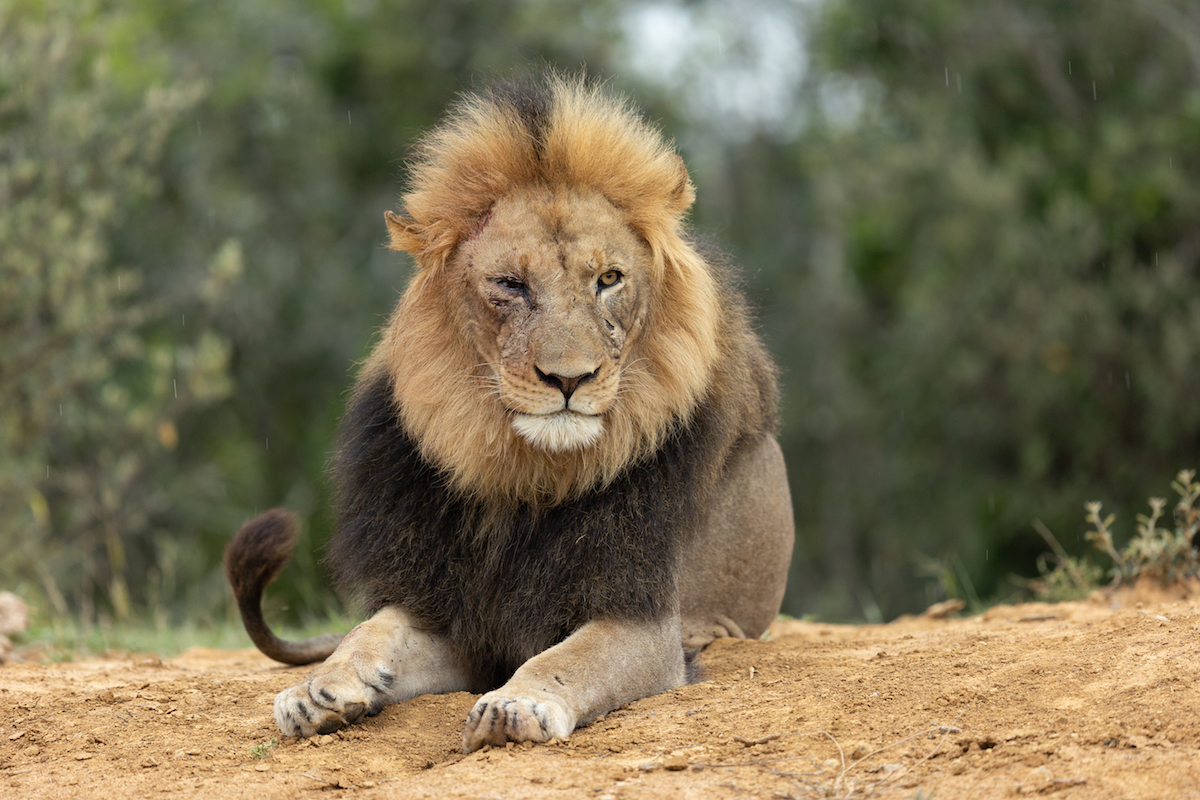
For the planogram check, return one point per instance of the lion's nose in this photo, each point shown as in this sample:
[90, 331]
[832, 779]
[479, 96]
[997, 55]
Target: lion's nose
[567, 384]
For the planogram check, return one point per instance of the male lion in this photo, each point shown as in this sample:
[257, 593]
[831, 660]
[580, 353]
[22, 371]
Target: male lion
[557, 472]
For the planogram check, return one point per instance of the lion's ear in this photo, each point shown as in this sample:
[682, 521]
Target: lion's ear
[684, 193]
[402, 234]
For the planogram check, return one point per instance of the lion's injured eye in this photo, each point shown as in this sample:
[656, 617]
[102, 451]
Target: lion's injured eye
[514, 285]
[610, 278]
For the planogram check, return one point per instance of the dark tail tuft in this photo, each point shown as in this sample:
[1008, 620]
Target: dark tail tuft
[259, 551]
[252, 560]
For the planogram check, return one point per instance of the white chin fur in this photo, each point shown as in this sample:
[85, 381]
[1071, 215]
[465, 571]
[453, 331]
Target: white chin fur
[565, 430]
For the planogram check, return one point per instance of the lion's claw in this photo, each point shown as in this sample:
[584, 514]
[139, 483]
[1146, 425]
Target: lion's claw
[496, 719]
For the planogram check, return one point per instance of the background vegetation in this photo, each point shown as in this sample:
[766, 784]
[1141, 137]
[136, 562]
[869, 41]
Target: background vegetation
[970, 229]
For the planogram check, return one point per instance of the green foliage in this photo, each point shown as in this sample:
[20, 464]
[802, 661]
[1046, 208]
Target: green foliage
[973, 249]
[1071, 577]
[1154, 553]
[94, 379]
[1157, 553]
[998, 312]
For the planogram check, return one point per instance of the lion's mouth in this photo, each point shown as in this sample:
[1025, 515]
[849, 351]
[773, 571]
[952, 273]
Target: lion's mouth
[563, 430]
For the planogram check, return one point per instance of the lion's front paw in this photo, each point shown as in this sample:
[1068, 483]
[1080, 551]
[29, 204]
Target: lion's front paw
[497, 719]
[334, 696]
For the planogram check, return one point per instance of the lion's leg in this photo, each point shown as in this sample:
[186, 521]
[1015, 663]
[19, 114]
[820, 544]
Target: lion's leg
[383, 660]
[599, 667]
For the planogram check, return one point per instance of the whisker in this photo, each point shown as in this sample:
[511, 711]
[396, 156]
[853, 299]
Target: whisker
[633, 368]
[472, 377]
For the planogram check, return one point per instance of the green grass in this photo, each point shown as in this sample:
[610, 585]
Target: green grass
[52, 639]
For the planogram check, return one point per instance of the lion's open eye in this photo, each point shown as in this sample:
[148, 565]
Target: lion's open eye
[610, 278]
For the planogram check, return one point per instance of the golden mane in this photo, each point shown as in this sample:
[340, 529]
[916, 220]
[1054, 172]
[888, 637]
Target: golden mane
[564, 134]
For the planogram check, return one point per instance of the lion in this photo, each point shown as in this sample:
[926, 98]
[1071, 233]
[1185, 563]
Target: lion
[557, 476]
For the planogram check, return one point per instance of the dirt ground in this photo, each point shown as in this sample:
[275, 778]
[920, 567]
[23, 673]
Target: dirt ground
[1097, 699]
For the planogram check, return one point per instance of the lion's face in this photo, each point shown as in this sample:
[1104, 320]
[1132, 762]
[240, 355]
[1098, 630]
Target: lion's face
[558, 290]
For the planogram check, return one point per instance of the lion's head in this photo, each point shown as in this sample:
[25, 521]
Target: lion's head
[559, 324]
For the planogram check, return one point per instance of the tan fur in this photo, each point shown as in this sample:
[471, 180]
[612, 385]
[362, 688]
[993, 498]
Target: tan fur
[484, 153]
[594, 670]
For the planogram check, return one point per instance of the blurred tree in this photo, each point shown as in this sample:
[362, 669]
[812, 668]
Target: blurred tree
[94, 379]
[969, 230]
[1002, 303]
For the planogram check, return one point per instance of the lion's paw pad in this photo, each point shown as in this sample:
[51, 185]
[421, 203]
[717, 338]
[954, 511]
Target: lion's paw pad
[495, 720]
[330, 699]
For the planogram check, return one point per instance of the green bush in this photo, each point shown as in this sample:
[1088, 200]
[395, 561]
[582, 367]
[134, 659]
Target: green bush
[1166, 556]
[94, 374]
[997, 312]
[1163, 555]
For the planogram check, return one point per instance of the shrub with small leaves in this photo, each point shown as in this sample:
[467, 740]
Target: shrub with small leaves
[1165, 555]
[1162, 555]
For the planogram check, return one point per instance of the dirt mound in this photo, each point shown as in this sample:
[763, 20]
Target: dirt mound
[1082, 700]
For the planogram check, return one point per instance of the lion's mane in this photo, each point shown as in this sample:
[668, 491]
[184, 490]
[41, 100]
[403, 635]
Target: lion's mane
[561, 133]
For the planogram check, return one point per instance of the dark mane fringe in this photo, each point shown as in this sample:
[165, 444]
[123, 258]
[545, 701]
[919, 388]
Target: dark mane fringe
[531, 100]
[505, 586]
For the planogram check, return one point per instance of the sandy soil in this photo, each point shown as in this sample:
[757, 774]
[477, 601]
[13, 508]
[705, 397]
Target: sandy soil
[1098, 699]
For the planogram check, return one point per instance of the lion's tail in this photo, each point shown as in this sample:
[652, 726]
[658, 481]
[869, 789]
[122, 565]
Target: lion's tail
[252, 560]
